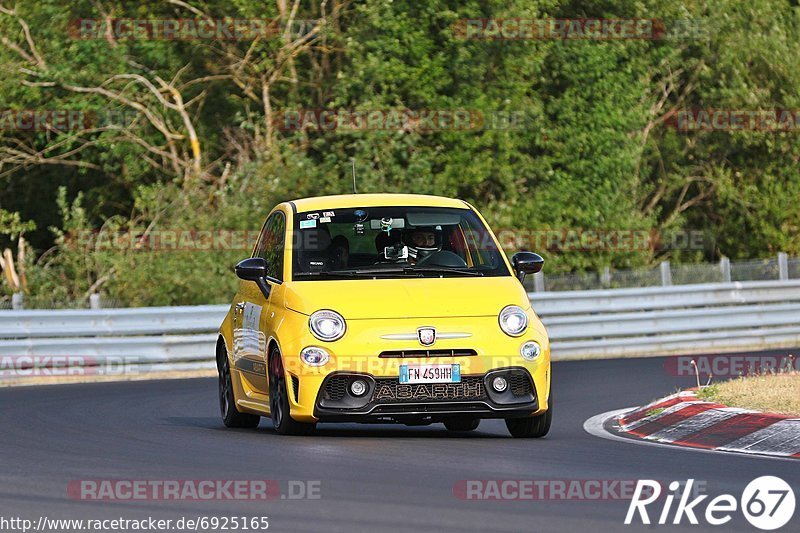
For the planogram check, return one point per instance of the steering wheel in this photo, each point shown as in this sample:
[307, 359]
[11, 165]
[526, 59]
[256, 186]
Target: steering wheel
[443, 258]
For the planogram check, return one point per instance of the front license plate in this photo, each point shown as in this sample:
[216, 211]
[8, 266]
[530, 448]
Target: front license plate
[430, 373]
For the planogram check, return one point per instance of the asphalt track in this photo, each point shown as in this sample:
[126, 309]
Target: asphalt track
[373, 478]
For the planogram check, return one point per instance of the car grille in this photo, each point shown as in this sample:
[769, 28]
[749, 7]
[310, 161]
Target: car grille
[389, 390]
[296, 388]
[457, 352]
[336, 388]
[520, 384]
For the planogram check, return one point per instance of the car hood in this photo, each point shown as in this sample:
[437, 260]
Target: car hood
[407, 298]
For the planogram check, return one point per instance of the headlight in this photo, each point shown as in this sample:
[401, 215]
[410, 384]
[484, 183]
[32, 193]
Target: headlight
[513, 320]
[530, 350]
[327, 325]
[314, 356]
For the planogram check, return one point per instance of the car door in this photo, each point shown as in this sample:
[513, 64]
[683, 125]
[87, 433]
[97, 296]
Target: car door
[252, 316]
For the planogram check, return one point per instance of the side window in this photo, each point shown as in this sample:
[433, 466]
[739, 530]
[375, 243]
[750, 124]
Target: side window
[271, 244]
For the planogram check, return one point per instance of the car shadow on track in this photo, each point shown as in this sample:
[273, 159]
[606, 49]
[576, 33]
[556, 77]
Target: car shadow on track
[340, 430]
[334, 431]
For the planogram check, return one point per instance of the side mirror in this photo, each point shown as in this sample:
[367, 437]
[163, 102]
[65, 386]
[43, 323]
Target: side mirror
[254, 269]
[526, 263]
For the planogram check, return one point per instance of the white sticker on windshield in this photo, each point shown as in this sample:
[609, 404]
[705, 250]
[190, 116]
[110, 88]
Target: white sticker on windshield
[324, 220]
[328, 214]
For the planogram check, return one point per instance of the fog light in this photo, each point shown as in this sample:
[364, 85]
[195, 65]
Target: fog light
[358, 387]
[499, 384]
[530, 350]
[314, 356]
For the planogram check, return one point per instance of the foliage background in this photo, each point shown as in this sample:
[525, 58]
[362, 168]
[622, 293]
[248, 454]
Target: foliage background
[594, 151]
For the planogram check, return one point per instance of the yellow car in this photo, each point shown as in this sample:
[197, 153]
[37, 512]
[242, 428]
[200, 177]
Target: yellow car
[383, 308]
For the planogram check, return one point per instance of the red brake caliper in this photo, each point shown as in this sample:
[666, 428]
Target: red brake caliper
[276, 366]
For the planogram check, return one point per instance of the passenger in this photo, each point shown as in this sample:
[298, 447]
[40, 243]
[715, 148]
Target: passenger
[340, 252]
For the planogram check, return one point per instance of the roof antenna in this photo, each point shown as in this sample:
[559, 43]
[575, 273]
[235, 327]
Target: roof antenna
[353, 161]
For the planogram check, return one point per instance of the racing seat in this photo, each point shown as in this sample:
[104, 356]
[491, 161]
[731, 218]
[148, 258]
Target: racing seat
[314, 254]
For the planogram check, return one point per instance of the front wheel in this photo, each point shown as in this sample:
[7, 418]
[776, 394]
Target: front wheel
[534, 427]
[231, 417]
[279, 400]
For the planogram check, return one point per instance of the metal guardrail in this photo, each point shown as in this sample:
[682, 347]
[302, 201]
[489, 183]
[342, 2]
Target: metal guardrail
[780, 267]
[582, 324]
[667, 320]
[110, 322]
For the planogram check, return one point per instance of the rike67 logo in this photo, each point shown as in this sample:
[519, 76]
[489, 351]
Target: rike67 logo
[767, 502]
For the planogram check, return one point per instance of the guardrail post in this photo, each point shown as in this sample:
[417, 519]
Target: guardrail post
[94, 301]
[666, 274]
[725, 268]
[605, 276]
[538, 282]
[17, 302]
[783, 266]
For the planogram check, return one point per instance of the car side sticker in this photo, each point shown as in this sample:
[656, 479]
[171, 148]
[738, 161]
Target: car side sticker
[324, 220]
[253, 340]
[328, 214]
[252, 316]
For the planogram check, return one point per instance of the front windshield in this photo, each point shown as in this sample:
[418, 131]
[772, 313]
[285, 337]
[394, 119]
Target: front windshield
[393, 242]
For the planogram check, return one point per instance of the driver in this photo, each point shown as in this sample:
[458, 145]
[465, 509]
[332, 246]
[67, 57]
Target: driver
[423, 242]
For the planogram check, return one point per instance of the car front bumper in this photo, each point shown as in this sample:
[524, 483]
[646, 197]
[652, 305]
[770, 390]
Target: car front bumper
[373, 349]
[386, 400]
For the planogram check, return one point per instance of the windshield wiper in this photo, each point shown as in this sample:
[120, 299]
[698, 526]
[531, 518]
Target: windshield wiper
[327, 274]
[443, 270]
[356, 273]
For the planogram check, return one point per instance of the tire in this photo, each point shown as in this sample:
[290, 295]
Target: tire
[534, 427]
[462, 424]
[279, 407]
[231, 417]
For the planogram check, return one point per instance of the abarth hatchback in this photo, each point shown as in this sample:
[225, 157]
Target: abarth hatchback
[377, 308]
